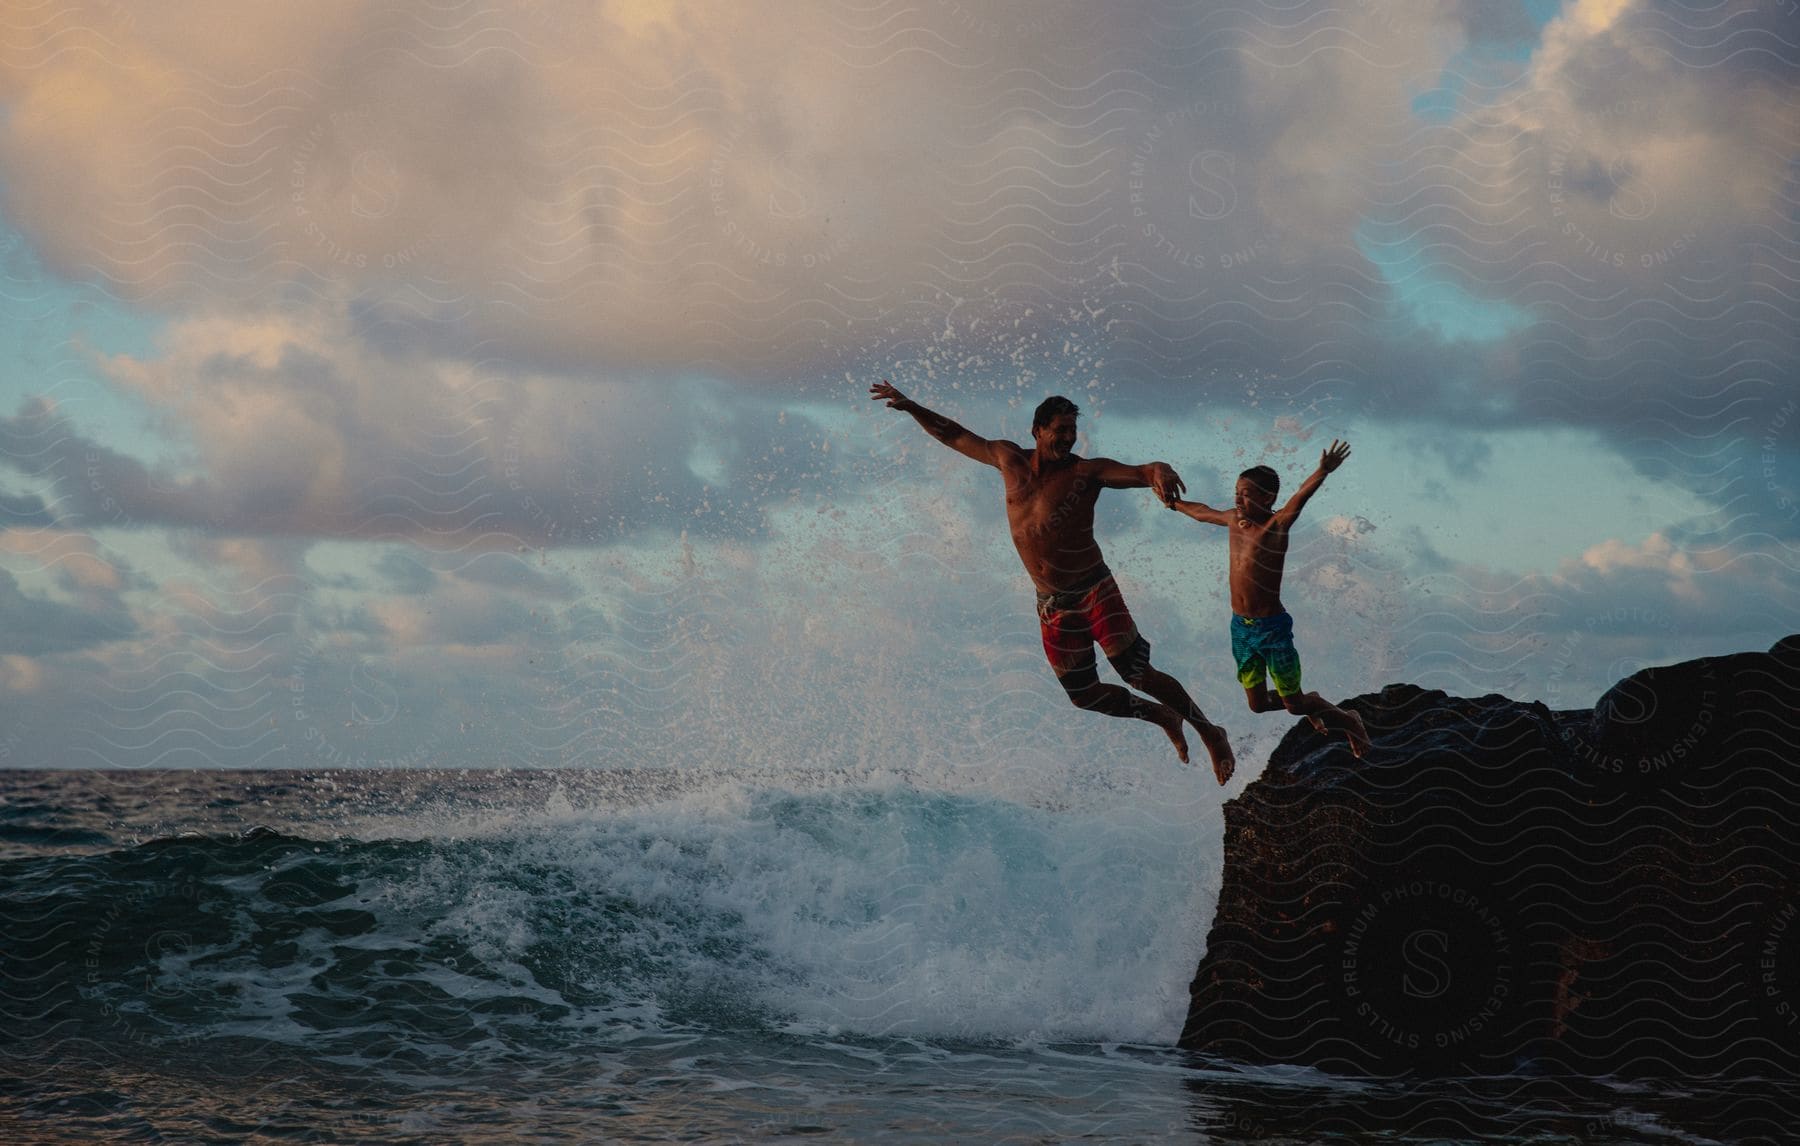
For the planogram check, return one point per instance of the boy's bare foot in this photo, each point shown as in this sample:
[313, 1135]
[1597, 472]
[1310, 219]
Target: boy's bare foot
[1218, 746]
[1318, 726]
[1359, 736]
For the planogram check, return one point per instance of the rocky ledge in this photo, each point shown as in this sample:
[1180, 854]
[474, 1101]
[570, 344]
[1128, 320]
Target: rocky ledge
[1499, 887]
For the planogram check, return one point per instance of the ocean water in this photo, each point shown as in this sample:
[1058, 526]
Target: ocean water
[662, 956]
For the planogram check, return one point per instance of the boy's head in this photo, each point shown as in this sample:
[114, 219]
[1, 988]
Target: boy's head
[1256, 490]
[1053, 425]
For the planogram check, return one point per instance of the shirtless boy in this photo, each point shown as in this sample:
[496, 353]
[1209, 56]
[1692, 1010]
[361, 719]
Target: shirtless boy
[1050, 496]
[1262, 633]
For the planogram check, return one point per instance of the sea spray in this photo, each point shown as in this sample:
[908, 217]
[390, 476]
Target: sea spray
[878, 911]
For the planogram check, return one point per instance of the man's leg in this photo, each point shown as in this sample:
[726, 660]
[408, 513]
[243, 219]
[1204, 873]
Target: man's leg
[1133, 664]
[1087, 692]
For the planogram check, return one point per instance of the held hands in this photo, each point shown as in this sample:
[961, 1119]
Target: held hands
[1334, 455]
[883, 391]
[1165, 482]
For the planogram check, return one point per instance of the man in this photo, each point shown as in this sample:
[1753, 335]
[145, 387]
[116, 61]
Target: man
[1050, 496]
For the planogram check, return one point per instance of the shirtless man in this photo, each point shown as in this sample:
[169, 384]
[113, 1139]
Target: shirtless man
[1050, 495]
[1262, 633]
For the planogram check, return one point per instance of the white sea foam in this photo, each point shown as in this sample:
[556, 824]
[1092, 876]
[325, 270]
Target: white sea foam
[898, 911]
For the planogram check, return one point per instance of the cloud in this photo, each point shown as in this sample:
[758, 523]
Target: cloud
[596, 188]
[1567, 635]
[290, 424]
[33, 626]
[1349, 528]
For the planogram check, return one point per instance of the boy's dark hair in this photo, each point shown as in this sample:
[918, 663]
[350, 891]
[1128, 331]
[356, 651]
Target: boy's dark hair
[1050, 407]
[1265, 478]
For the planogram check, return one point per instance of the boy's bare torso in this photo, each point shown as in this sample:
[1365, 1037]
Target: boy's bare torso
[1258, 552]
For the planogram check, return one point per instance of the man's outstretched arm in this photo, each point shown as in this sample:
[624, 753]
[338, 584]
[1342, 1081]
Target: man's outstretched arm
[1159, 476]
[1330, 459]
[1199, 511]
[950, 433]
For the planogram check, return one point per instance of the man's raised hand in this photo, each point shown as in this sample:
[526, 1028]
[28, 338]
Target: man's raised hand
[1334, 455]
[1165, 482]
[883, 391]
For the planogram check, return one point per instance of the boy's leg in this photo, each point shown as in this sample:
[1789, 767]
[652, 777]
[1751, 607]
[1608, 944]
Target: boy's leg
[1252, 669]
[1258, 698]
[1284, 673]
[1325, 715]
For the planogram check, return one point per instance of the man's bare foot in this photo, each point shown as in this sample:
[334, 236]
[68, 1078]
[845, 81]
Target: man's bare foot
[1218, 746]
[1170, 722]
[1359, 736]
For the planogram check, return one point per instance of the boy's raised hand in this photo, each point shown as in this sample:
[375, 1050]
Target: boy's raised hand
[1334, 455]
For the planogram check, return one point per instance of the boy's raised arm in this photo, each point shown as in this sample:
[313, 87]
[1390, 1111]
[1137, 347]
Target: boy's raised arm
[1329, 459]
[1199, 511]
[951, 433]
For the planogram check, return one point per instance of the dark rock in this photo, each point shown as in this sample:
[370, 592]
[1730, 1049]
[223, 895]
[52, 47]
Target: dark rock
[1497, 886]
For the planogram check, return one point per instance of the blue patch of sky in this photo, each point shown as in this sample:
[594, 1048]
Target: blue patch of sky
[1484, 67]
[1426, 298]
[50, 330]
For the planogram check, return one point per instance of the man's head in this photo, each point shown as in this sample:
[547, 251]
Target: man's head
[1256, 490]
[1053, 426]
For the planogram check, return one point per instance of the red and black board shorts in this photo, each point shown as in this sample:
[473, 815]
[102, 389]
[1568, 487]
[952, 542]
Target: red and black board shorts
[1073, 621]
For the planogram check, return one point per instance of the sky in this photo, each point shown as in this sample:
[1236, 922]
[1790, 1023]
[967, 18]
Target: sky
[457, 384]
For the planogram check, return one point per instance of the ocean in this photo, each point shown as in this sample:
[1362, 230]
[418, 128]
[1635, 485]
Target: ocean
[649, 956]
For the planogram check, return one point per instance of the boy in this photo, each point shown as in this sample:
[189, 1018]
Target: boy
[1262, 633]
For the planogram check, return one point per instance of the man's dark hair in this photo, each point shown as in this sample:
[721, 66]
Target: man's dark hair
[1050, 407]
[1264, 477]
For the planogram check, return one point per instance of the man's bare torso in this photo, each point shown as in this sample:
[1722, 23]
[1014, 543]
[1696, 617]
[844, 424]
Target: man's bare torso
[1258, 552]
[1051, 512]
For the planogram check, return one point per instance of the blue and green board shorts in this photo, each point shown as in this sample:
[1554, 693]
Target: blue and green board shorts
[1266, 644]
